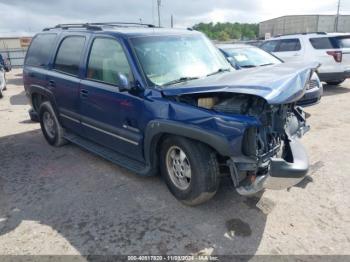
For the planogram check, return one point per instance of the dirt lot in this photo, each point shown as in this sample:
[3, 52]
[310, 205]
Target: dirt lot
[68, 201]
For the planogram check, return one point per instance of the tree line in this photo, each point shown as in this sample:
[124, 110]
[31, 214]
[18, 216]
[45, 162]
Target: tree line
[227, 31]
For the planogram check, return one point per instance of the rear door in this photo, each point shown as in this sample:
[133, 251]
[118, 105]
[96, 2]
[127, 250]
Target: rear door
[289, 50]
[110, 117]
[37, 61]
[64, 79]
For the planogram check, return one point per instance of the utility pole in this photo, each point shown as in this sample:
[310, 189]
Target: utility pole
[337, 18]
[158, 4]
[172, 21]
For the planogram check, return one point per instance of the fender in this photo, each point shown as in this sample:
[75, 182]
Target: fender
[156, 128]
[42, 91]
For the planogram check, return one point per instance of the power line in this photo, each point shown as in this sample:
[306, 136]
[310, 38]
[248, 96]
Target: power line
[158, 4]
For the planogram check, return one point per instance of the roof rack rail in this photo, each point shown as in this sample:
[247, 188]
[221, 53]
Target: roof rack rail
[87, 26]
[122, 24]
[97, 26]
[304, 33]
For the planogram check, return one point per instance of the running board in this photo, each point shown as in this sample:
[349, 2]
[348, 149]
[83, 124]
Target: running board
[108, 154]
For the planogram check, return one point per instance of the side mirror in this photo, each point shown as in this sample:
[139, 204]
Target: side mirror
[124, 84]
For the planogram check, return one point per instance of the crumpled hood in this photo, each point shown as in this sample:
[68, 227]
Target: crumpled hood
[277, 84]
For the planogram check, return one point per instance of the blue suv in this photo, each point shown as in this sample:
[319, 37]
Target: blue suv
[164, 100]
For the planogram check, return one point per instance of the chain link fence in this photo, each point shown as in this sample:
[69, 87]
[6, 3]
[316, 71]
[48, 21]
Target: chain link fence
[15, 56]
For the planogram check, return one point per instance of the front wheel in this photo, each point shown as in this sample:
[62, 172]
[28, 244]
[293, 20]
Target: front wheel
[190, 170]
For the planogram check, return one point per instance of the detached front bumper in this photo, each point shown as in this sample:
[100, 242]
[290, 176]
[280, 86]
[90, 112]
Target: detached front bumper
[283, 172]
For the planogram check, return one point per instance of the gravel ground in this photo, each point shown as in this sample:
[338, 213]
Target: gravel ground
[69, 201]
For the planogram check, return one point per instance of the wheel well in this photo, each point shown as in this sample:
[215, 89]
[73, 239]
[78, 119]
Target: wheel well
[37, 100]
[160, 138]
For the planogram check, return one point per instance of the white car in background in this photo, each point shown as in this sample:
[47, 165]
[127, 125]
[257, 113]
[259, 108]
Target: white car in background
[332, 51]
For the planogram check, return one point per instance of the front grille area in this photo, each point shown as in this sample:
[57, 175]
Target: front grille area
[312, 84]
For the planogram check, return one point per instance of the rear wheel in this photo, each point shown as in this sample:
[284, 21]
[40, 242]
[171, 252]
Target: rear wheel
[335, 83]
[190, 170]
[1, 95]
[50, 126]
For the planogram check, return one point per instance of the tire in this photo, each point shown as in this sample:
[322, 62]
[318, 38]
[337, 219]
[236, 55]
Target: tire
[202, 163]
[5, 88]
[335, 83]
[1, 95]
[51, 128]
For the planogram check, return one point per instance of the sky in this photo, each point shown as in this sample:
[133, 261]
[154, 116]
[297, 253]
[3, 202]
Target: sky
[26, 17]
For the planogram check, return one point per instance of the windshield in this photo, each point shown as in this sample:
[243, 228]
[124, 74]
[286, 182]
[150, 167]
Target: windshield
[171, 59]
[251, 57]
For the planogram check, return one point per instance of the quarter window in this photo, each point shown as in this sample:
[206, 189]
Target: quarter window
[68, 55]
[107, 61]
[288, 45]
[40, 49]
[323, 43]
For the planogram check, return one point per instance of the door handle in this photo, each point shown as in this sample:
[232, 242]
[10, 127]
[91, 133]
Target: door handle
[52, 83]
[84, 93]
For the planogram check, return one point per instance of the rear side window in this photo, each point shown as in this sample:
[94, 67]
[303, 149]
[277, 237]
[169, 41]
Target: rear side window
[107, 60]
[270, 46]
[69, 54]
[288, 45]
[344, 41]
[323, 43]
[40, 49]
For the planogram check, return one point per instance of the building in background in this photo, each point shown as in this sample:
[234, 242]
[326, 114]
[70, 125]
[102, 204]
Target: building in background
[294, 24]
[14, 49]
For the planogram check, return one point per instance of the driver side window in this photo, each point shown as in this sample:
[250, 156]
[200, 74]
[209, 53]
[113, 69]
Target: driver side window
[106, 61]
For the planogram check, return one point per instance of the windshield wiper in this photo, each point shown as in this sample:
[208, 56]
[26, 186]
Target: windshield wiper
[221, 70]
[180, 80]
[267, 64]
[247, 66]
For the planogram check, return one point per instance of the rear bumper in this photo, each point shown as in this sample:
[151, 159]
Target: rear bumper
[282, 173]
[337, 76]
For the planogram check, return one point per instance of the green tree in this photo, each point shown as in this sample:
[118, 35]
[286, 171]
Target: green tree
[223, 36]
[226, 31]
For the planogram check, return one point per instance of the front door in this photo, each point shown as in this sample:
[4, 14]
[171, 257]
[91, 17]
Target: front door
[109, 116]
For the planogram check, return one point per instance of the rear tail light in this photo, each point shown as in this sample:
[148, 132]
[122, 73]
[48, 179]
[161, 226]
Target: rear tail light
[337, 55]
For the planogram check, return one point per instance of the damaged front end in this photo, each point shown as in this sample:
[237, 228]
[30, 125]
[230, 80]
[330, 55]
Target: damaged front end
[280, 159]
[272, 156]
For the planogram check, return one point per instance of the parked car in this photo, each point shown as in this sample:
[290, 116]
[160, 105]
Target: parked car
[155, 99]
[332, 51]
[245, 56]
[2, 81]
[2, 76]
[5, 64]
